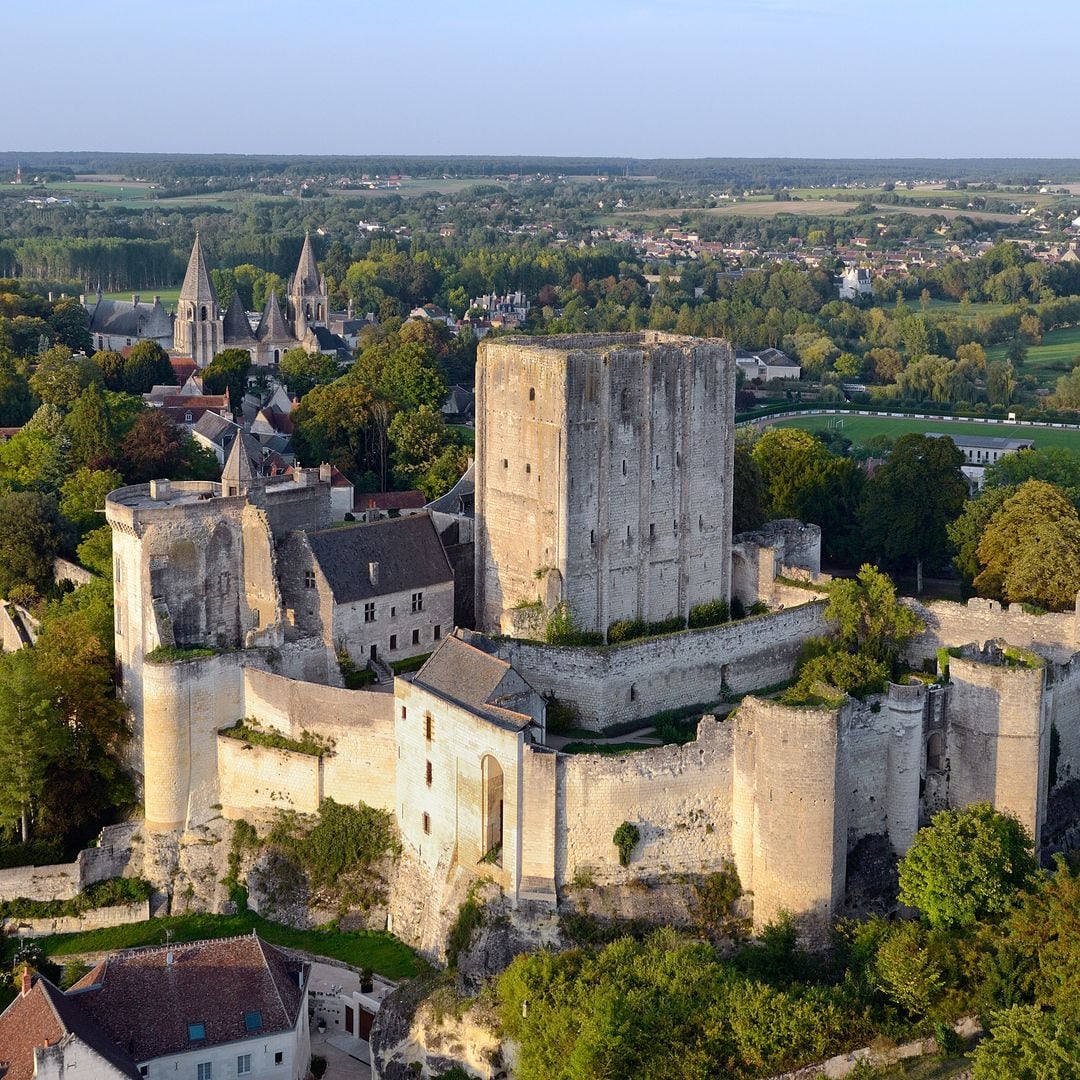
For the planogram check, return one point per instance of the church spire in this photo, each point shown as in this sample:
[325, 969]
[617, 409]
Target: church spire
[306, 281]
[197, 287]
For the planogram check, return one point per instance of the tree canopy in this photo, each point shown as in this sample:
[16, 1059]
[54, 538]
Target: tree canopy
[967, 865]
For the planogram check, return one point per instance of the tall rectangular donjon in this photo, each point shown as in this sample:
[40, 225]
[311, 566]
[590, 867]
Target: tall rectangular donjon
[604, 476]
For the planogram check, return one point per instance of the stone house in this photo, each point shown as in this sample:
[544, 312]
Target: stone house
[117, 324]
[379, 591]
[210, 1010]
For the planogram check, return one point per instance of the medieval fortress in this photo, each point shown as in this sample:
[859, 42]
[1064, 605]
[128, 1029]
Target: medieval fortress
[603, 488]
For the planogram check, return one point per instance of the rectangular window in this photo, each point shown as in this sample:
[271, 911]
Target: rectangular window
[243, 1064]
[393, 642]
[437, 632]
[393, 611]
[429, 727]
[204, 1071]
[252, 1021]
[369, 612]
[278, 1058]
[309, 579]
[416, 637]
[196, 1031]
[144, 1070]
[417, 601]
[117, 571]
[404, 712]
[427, 823]
[427, 773]
[119, 623]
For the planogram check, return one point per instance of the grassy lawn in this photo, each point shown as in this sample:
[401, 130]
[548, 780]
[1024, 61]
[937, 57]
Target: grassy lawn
[381, 952]
[169, 296]
[860, 428]
[957, 310]
[1057, 353]
[466, 434]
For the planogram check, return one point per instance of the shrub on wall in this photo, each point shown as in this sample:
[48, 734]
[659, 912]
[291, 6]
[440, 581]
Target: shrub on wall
[711, 613]
[626, 837]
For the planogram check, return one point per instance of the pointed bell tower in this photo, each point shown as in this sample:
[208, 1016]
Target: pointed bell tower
[197, 331]
[308, 301]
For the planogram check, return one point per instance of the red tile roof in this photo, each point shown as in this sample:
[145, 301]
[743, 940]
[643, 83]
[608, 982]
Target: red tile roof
[146, 1003]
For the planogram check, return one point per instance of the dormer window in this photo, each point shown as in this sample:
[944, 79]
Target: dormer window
[196, 1031]
[253, 1021]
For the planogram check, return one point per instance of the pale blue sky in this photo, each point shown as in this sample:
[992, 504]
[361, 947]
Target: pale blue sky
[654, 78]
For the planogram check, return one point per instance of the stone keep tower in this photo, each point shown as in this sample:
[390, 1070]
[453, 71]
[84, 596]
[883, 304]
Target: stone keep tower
[604, 476]
[308, 299]
[197, 331]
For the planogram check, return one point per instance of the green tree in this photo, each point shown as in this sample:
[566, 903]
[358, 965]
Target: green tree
[748, 491]
[868, 617]
[906, 970]
[153, 449]
[32, 739]
[967, 865]
[16, 401]
[910, 500]
[82, 497]
[1030, 549]
[417, 440]
[333, 423]
[59, 378]
[402, 372]
[31, 533]
[228, 371]
[89, 428]
[147, 365]
[444, 472]
[966, 531]
[302, 370]
[1028, 1043]
[1057, 465]
[1067, 391]
[70, 325]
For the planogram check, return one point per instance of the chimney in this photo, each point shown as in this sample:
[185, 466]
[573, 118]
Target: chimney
[50, 296]
[169, 958]
[373, 572]
[27, 978]
[134, 298]
[157, 298]
[324, 472]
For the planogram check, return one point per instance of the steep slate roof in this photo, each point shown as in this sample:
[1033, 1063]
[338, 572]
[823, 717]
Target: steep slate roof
[407, 549]
[235, 327]
[214, 427]
[43, 1017]
[306, 278]
[330, 344]
[470, 677]
[125, 317]
[238, 468]
[197, 286]
[461, 498]
[272, 325]
[146, 1004]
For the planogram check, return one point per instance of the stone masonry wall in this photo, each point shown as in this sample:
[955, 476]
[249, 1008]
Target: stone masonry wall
[612, 684]
[678, 796]
[359, 724]
[116, 915]
[252, 777]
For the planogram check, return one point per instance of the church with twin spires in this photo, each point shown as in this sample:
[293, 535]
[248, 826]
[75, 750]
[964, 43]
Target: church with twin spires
[201, 329]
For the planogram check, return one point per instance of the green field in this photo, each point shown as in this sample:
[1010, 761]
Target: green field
[957, 310]
[168, 296]
[1057, 354]
[860, 428]
[380, 952]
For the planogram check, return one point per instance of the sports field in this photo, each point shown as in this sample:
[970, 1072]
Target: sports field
[860, 428]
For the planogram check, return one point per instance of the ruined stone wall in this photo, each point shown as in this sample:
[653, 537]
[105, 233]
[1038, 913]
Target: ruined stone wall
[1055, 634]
[59, 881]
[293, 505]
[358, 723]
[999, 739]
[679, 797]
[613, 684]
[95, 919]
[253, 777]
